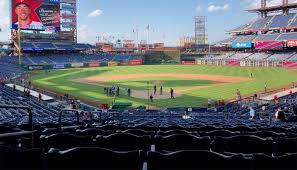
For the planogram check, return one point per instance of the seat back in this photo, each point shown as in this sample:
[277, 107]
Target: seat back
[123, 142]
[182, 142]
[246, 144]
[65, 141]
[93, 159]
[193, 160]
[286, 145]
[13, 159]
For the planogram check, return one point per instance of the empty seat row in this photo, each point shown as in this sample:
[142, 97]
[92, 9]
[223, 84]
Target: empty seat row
[245, 144]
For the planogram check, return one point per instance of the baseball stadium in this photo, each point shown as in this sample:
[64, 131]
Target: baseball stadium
[125, 103]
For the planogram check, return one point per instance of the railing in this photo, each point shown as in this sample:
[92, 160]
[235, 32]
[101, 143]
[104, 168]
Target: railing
[68, 110]
[22, 133]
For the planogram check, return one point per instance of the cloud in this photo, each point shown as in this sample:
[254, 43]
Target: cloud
[86, 35]
[5, 20]
[95, 13]
[216, 7]
[198, 8]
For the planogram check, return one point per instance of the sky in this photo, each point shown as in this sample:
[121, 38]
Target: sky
[167, 20]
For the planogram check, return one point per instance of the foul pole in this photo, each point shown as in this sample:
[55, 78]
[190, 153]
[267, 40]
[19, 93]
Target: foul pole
[19, 41]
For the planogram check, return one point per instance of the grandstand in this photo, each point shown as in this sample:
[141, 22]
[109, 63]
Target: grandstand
[42, 129]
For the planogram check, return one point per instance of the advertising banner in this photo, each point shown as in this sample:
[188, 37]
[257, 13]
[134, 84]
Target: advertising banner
[269, 45]
[124, 63]
[36, 14]
[289, 64]
[233, 63]
[292, 43]
[113, 63]
[36, 67]
[189, 62]
[77, 65]
[242, 45]
[94, 64]
[136, 61]
[59, 66]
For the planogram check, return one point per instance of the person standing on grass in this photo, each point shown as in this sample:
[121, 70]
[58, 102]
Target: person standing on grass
[152, 98]
[118, 91]
[172, 93]
[265, 87]
[129, 92]
[155, 89]
[161, 90]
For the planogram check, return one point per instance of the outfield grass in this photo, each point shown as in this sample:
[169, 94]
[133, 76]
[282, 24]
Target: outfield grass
[62, 81]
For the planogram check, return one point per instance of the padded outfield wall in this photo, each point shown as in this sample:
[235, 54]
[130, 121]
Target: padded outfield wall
[162, 57]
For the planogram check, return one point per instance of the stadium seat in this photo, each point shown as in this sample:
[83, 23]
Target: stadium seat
[175, 131]
[181, 142]
[286, 145]
[123, 142]
[222, 133]
[245, 144]
[265, 162]
[193, 160]
[65, 141]
[138, 132]
[93, 159]
[15, 159]
[92, 132]
[266, 134]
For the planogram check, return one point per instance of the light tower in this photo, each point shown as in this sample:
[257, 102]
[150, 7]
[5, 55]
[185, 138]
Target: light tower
[200, 30]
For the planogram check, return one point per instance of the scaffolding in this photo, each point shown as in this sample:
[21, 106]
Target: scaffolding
[200, 30]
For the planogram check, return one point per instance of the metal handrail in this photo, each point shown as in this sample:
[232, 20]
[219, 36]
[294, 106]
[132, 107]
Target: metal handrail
[30, 123]
[68, 110]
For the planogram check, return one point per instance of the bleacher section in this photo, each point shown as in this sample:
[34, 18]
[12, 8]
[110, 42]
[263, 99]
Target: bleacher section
[245, 38]
[281, 20]
[66, 59]
[260, 23]
[267, 37]
[240, 56]
[287, 36]
[267, 25]
[9, 68]
[54, 46]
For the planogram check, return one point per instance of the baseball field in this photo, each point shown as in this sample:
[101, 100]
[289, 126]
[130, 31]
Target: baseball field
[192, 84]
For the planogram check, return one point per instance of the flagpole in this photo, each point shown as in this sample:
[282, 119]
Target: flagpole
[19, 40]
[148, 35]
[137, 37]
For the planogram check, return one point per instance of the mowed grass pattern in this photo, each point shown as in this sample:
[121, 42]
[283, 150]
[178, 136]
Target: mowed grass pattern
[62, 81]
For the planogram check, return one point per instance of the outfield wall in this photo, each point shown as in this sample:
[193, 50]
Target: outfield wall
[131, 62]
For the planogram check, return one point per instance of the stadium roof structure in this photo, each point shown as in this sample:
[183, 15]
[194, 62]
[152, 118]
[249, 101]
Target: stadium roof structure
[275, 8]
[264, 9]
